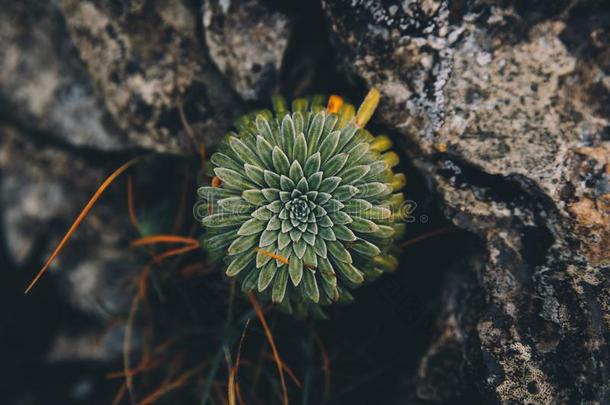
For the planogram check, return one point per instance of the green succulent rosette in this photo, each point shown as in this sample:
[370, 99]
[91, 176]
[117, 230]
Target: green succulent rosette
[304, 204]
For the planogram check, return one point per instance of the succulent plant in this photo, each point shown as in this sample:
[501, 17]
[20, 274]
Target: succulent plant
[303, 205]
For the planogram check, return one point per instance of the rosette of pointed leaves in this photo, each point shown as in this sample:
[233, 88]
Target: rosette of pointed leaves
[303, 205]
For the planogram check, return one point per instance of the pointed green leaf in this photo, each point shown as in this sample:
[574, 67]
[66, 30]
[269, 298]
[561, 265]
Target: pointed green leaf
[295, 234]
[377, 213]
[242, 244]
[346, 135]
[255, 174]
[274, 223]
[266, 276]
[235, 205]
[340, 218]
[354, 174]
[262, 214]
[310, 259]
[275, 206]
[279, 285]
[326, 234]
[328, 146]
[384, 231]
[356, 206]
[363, 225]
[329, 285]
[373, 189]
[365, 248]
[214, 193]
[265, 151]
[324, 221]
[300, 148]
[309, 238]
[349, 271]
[243, 152]
[288, 135]
[296, 172]
[249, 282]
[233, 180]
[303, 186]
[323, 198]
[315, 180]
[219, 159]
[223, 220]
[298, 120]
[219, 241]
[263, 128]
[312, 164]
[271, 194]
[254, 197]
[251, 227]
[280, 161]
[311, 286]
[333, 205]
[286, 184]
[295, 268]
[268, 237]
[330, 123]
[320, 247]
[240, 263]
[329, 184]
[299, 248]
[315, 132]
[357, 153]
[272, 179]
[338, 251]
[342, 232]
[334, 164]
[283, 240]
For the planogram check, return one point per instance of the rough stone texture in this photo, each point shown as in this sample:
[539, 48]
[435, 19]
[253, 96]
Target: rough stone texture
[147, 61]
[44, 87]
[247, 41]
[505, 109]
[35, 212]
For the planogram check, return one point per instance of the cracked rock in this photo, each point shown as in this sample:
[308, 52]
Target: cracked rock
[44, 87]
[505, 108]
[149, 66]
[247, 41]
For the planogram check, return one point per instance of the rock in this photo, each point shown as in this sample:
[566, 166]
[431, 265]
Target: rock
[506, 111]
[40, 196]
[247, 41]
[45, 89]
[151, 69]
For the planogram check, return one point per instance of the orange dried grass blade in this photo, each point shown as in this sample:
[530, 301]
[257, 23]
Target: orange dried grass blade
[149, 240]
[80, 219]
[130, 205]
[425, 236]
[175, 252]
[276, 355]
[233, 384]
[288, 371]
[272, 255]
[180, 381]
[139, 296]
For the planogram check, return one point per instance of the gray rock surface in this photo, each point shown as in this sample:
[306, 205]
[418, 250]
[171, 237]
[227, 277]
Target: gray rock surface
[148, 64]
[505, 109]
[247, 41]
[41, 192]
[43, 85]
